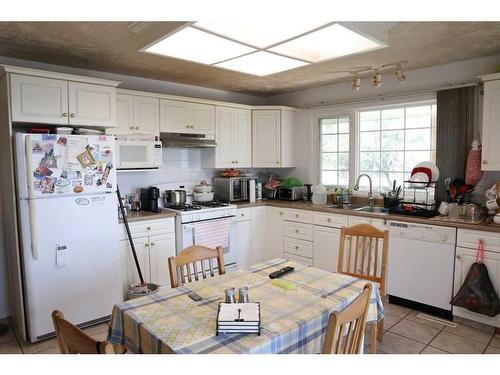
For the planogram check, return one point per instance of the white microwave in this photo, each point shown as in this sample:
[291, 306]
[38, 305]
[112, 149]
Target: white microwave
[137, 154]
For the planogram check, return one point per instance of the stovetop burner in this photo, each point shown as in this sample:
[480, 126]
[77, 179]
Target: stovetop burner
[211, 204]
[183, 207]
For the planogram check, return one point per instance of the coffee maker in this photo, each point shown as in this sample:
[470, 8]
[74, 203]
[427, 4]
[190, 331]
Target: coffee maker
[149, 199]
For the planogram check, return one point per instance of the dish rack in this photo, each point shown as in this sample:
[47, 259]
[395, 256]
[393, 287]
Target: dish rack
[418, 199]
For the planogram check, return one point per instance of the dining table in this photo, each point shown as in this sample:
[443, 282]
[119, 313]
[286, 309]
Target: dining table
[294, 318]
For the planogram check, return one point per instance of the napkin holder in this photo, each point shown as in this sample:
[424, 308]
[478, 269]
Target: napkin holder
[238, 325]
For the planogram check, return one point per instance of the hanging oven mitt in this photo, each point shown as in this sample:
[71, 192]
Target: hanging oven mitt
[477, 294]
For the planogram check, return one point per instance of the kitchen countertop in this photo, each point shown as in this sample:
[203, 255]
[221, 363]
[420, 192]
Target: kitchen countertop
[148, 215]
[300, 205]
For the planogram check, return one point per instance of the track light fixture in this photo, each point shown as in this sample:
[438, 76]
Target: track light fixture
[399, 74]
[356, 83]
[377, 79]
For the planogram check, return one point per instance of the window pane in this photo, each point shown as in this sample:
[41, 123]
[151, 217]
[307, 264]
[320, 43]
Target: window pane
[329, 143]
[369, 161]
[412, 158]
[329, 126]
[393, 119]
[418, 117]
[329, 161]
[418, 139]
[369, 141]
[329, 177]
[344, 123]
[369, 120]
[388, 177]
[344, 161]
[344, 178]
[364, 184]
[343, 142]
[393, 140]
[393, 161]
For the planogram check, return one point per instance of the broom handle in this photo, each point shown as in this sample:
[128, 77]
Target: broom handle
[129, 235]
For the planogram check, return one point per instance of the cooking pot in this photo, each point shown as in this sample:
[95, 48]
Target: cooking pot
[174, 197]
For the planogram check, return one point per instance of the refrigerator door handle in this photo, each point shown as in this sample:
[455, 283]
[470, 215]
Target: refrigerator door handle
[29, 164]
[33, 234]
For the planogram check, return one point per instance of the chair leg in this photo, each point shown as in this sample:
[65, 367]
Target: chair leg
[373, 338]
[380, 329]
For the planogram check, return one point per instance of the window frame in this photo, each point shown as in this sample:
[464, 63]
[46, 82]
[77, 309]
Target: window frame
[354, 133]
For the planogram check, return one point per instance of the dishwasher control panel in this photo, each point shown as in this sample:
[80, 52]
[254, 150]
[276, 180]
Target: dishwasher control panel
[423, 232]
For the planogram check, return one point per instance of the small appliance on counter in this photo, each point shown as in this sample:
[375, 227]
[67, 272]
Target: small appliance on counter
[232, 189]
[149, 199]
[290, 193]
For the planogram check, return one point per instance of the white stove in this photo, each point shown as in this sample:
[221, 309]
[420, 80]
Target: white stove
[190, 213]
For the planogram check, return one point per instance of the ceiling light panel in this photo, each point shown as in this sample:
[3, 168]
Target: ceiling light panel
[200, 46]
[261, 63]
[263, 32]
[326, 43]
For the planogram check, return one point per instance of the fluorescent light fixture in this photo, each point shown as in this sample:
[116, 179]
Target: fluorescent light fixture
[200, 46]
[327, 43]
[263, 32]
[261, 63]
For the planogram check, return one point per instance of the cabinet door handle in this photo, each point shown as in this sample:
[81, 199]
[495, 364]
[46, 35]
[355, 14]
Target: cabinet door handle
[152, 243]
[242, 215]
[187, 126]
[277, 162]
[296, 247]
[459, 257]
[65, 114]
[296, 231]
[148, 228]
[131, 128]
[136, 128]
[281, 213]
[146, 245]
[72, 115]
[329, 220]
[485, 162]
[296, 215]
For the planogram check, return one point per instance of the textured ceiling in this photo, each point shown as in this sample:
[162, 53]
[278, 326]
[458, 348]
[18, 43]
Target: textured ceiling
[112, 47]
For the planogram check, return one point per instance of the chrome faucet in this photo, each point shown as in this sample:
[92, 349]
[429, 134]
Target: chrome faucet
[370, 193]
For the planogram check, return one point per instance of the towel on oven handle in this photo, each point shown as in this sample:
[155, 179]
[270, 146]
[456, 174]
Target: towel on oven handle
[212, 233]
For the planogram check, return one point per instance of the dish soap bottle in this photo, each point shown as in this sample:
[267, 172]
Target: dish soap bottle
[319, 195]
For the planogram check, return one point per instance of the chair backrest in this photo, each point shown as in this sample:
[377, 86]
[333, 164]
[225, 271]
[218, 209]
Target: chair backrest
[72, 340]
[187, 261]
[363, 253]
[345, 330]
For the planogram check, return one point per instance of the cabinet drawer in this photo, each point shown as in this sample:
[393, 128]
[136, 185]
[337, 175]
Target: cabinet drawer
[299, 230]
[301, 216]
[147, 227]
[380, 224]
[298, 247]
[306, 261]
[244, 214]
[470, 239]
[330, 220]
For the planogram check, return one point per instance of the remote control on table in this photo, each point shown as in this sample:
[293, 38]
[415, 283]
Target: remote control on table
[281, 272]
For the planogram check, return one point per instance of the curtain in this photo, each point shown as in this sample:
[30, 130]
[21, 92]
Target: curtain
[457, 127]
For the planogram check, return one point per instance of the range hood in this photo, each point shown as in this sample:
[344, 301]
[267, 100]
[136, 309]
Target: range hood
[188, 140]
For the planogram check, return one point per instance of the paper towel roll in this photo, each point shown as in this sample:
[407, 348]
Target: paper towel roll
[251, 191]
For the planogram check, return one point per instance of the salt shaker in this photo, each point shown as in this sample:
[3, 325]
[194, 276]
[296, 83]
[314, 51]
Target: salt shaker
[230, 295]
[243, 295]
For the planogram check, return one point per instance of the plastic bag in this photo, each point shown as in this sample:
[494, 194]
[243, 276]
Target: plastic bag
[477, 294]
[473, 172]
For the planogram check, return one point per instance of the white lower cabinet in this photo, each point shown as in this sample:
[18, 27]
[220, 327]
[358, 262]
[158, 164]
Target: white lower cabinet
[259, 238]
[154, 243]
[464, 258]
[275, 230]
[326, 248]
[244, 239]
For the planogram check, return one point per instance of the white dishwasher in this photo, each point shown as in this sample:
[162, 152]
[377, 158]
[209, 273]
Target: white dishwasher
[420, 265]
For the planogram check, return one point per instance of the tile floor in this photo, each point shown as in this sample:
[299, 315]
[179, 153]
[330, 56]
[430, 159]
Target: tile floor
[405, 333]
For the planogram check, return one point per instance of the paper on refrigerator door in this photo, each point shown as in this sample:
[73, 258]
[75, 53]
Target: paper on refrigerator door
[61, 255]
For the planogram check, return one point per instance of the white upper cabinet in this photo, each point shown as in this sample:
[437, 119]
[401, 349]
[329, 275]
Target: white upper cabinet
[491, 124]
[60, 102]
[186, 117]
[272, 138]
[124, 115]
[146, 115]
[37, 99]
[233, 135]
[91, 105]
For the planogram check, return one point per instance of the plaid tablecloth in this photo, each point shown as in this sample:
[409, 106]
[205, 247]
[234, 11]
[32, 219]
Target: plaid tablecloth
[292, 321]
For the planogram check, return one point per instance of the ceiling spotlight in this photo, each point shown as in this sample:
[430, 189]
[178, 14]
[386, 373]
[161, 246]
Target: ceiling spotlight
[356, 83]
[399, 74]
[377, 79]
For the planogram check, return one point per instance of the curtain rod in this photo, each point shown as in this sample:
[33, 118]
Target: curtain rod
[389, 96]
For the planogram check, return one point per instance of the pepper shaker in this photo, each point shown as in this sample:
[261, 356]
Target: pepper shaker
[230, 298]
[243, 295]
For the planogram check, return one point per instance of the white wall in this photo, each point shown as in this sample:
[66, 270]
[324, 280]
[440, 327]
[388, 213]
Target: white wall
[144, 84]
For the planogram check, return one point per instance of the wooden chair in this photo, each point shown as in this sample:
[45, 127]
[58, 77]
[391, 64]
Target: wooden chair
[361, 255]
[344, 334]
[186, 262]
[72, 340]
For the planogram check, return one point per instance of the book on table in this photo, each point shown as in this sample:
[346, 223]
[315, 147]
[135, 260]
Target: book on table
[238, 318]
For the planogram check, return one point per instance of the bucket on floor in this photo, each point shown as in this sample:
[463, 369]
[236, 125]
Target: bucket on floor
[138, 290]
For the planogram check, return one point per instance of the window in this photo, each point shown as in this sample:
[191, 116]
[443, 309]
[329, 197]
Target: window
[385, 143]
[392, 141]
[334, 151]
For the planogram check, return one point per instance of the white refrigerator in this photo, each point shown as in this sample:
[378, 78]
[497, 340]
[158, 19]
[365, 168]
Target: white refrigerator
[68, 222]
